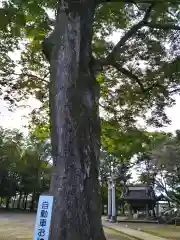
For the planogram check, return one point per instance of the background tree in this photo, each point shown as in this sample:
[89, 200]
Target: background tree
[166, 157]
[24, 168]
[34, 164]
[9, 158]
[158, 165]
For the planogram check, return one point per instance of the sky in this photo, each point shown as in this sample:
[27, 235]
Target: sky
[19, 118]
[172, 113]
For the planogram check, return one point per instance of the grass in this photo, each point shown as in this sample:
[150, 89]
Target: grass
[167, 231]
[112, 234]
[115, 235]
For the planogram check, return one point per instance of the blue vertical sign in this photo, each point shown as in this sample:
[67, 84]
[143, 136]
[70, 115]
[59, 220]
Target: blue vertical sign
[43, 218]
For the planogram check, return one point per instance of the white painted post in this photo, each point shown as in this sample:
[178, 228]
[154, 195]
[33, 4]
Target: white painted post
[109, 200]
[113, 218]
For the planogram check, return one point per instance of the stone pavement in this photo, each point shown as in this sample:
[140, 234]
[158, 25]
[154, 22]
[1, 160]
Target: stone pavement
[131, 232]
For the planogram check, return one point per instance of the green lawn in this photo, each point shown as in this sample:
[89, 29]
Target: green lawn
[114, 235]
[167, 231]
[172, 233]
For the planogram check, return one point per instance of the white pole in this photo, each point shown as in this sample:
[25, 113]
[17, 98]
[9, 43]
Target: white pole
[113, 218]
[109, 200]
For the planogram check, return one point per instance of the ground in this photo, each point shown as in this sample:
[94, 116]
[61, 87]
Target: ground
[20, 226]
[166, 231]
[114, 235]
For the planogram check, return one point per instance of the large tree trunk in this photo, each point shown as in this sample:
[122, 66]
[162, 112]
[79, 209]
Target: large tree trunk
[75, 128]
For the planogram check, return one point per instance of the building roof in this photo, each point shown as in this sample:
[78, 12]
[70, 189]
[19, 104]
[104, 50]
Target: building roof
[138, 192]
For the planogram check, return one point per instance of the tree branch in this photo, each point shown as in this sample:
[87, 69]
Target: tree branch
[123, 40]
[32, 76]
[129, 34]
[175, 91]
[125, 1]
[162, 26]
[129, 74]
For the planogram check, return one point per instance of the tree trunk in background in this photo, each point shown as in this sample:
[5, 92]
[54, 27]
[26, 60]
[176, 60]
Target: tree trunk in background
[1, 202]
[19, 201]
[32, 205]
[75, 128]
[25, 201]
[13, 203]
[8, 202]
[123, 209]
[102, 199]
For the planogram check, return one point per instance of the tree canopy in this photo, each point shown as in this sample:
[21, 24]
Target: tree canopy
[140, 71]
[133, 75]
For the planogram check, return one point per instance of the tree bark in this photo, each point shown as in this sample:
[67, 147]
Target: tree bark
[102, 199]
[123, 209]
[25, 201]
[32, 206]
[8, 202]
[13, 203]
[19, 200]
[1, 202]
[75, 128]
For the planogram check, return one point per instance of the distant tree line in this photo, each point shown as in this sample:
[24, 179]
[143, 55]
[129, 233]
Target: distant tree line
[25, 167]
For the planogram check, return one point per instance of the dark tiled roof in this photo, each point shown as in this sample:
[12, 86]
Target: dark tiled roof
[138, 192]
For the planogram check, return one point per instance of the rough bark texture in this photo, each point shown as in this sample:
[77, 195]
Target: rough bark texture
[32, 206]
[75, 127]
[19, 201]
[8, 202]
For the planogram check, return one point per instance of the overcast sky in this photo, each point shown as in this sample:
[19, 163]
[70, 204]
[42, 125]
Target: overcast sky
[19, 118]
